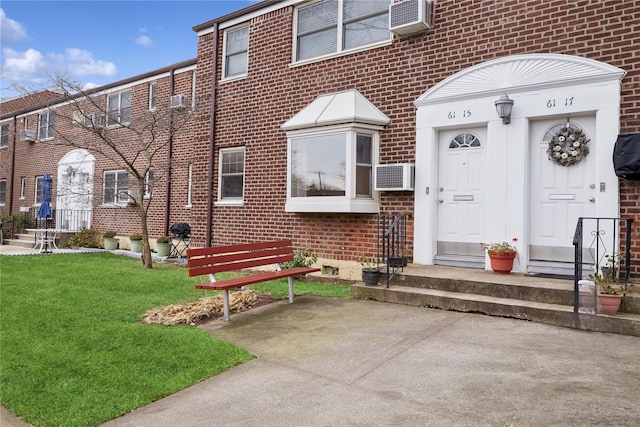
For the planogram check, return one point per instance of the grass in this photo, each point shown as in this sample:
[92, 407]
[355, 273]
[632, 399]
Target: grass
[72, 349]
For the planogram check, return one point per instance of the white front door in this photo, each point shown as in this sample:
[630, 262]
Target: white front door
[461, 197]
[559, 194]
[74, 202]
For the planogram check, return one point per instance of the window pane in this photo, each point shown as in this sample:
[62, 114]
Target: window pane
[318, 166]
[3, 192]
[4, 138]
[113, 107]
[366, 31]
[122, 186]
[317, 16]
[232, 174]
[364, 163]
[39, 189]
[125, 107]
[359, 8]
[236, 64]
[232, 185]
[317, 44]
[237, 40]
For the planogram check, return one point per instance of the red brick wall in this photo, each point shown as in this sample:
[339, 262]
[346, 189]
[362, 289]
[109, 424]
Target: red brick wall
[250, 111]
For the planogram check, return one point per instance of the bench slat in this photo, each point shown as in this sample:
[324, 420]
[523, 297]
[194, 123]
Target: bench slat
[238, 282]
[206, 264]
[238, 248]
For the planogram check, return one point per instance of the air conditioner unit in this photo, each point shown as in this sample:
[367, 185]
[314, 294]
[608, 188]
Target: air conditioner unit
[94, 120]
[28, 135]
[396, 177]
[410, 17]
[178, 101]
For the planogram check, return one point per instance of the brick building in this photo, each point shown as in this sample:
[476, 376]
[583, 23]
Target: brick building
[308, 101]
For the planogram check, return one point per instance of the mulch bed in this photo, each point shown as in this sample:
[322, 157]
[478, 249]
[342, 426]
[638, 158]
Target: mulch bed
[205, 309]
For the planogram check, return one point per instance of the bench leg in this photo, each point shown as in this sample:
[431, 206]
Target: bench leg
[225, 298]
[290, 290]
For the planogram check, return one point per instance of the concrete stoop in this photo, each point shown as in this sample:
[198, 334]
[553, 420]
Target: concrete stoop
[550, 302]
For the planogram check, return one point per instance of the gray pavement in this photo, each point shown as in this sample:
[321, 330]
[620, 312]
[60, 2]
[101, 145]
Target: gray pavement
[330, 362]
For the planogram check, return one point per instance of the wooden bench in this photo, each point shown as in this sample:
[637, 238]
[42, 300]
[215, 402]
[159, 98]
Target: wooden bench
[201, 261]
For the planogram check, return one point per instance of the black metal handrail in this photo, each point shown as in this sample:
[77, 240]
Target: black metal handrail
[598, 249]
[392, 242]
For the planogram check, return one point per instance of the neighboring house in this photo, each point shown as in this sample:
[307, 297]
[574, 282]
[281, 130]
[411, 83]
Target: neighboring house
[90, 189]
[310, 96]
[308, 102]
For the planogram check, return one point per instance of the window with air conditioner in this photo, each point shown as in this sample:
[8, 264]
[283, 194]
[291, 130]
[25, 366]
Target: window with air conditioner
[235, 56]
[329, 27]
[119, 108]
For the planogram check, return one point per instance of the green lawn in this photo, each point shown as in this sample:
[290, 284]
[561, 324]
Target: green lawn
[72, 349]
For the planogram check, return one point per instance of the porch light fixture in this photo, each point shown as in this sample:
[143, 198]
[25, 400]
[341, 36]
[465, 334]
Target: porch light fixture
[503, 106]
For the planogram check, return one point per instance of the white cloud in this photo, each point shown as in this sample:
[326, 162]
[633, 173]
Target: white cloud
[144, 41]
[11, 32]
[31, 67]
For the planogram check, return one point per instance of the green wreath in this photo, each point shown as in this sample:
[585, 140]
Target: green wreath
[568, 146]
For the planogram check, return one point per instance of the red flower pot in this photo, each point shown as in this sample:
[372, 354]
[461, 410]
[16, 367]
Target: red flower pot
[502, 263]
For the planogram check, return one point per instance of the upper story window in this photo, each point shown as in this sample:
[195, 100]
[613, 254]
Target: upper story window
[4, 135]
[153, 96]
[332, 26]
[231, 188]
[148, 184]
[119, 108]
[236, 45]
[46, 125]
[23, 187]
[116, 187]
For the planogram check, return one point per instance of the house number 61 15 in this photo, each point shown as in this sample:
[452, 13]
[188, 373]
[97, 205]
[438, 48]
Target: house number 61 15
[465, 113]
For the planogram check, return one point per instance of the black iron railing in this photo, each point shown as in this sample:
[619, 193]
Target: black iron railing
[599, 240]
[392, 242]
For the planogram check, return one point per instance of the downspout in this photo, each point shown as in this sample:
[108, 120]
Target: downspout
[212, 137]
[13, 164]
[167, 205]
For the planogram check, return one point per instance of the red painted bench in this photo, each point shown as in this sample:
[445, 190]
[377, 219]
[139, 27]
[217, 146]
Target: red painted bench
[201, 261]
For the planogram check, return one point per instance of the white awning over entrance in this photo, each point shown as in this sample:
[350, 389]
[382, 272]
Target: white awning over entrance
[337, 108]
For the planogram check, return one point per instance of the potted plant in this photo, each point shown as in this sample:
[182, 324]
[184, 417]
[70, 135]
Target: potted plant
[501, 255]
[610, 292]
[109, 240]
[370, 271]
[163, 245]
[136, 243]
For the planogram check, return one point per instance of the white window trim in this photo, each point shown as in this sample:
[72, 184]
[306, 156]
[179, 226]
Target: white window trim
[39, 179]
[148, 189]
[349, 203]
[119, 122]
[23, 188]
[338, 53]
[8, 127]
[190, 186]
[48, 114]
[230, 201]
[241, 76]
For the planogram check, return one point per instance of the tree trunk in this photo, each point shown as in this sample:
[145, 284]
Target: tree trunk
[147, 261]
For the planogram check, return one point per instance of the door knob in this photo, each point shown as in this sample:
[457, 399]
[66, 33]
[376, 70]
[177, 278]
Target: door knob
[592, 199]
[441, 200]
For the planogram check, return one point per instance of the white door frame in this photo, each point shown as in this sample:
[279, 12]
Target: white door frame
[539, 84]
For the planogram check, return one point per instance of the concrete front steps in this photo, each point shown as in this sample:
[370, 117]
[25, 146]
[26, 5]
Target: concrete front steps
[515, 296]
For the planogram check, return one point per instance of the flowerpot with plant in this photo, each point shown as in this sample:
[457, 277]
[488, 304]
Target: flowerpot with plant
[110, 242]
[501, 255]
[163, 245]
[610, 292]
[136, 243]
[370, 271]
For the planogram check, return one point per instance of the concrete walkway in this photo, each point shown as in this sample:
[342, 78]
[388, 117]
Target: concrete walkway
[331, 362]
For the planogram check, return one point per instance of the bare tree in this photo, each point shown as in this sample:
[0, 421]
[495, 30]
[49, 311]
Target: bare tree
[134, 139]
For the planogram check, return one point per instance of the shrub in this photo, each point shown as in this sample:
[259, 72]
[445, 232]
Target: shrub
[85, 238]
[163, 239]
[109, 234]
[302, 258]
[136, 236]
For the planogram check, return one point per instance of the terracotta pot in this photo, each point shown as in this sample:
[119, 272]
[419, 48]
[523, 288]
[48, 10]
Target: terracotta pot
[502, 263]
[609, 304]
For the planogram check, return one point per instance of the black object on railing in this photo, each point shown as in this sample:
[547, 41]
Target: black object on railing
[603, 249]
[392, 241]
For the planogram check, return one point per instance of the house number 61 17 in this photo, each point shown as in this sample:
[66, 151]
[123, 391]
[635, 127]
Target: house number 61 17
[568, 102]
[465, 113]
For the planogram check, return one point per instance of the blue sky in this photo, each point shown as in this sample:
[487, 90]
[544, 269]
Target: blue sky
[98, 42]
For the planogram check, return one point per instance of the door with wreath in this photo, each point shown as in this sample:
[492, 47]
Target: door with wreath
[563, 188]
